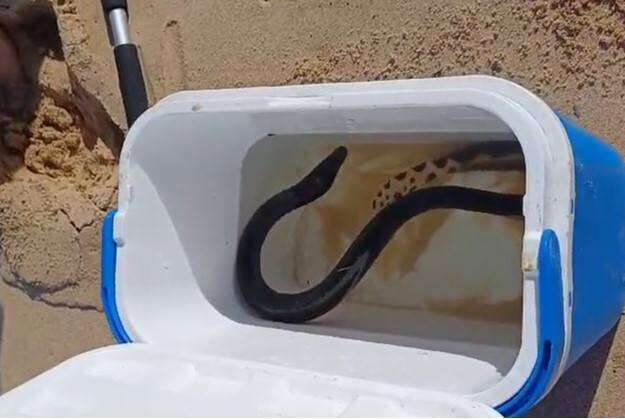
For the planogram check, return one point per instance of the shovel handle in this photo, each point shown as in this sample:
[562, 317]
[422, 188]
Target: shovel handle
[131, 82]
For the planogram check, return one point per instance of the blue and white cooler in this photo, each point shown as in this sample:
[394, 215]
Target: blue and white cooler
[464, 314]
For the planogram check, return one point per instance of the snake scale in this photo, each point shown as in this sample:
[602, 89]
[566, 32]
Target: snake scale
[410, 199]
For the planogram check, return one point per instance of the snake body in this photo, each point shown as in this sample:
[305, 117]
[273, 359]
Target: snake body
[491, 156]
[363, 251]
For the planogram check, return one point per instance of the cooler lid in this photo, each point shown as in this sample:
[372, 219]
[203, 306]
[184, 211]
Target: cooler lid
[154, 380]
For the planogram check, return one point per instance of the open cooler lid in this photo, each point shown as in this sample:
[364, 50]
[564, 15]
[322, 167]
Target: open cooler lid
[153, 380]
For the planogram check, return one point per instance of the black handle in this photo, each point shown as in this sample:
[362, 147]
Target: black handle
[109, 5]
[131, 83]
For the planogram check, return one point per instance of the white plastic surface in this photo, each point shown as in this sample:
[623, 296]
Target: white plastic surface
[151, 381]
[181, 171]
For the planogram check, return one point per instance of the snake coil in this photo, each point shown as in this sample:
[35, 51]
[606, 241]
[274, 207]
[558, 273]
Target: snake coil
[361, 254]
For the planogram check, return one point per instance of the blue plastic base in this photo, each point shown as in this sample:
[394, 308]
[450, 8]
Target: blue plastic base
[598, 239]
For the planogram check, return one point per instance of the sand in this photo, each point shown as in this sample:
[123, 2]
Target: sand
[58, 162]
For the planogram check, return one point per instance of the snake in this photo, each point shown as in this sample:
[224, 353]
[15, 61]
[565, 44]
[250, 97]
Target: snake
[391, 215]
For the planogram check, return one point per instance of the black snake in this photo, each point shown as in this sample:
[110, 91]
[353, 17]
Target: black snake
[363, 251]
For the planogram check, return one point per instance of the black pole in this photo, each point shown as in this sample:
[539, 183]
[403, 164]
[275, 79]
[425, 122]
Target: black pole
[131, 82]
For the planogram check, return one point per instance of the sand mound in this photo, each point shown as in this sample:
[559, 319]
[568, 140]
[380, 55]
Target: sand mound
[58, 179]
[51, 209]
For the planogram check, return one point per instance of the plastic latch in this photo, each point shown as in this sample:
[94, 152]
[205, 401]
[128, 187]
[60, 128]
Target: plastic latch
[531, 249]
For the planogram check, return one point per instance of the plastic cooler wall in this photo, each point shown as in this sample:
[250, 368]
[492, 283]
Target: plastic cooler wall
[598, 239]
[598, 259]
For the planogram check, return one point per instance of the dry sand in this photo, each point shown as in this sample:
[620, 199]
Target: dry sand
[58, 168]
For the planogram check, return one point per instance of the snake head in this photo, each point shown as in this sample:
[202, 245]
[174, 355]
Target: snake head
[321, 178]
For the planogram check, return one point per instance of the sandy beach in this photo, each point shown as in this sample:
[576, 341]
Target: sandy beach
[58, 161]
